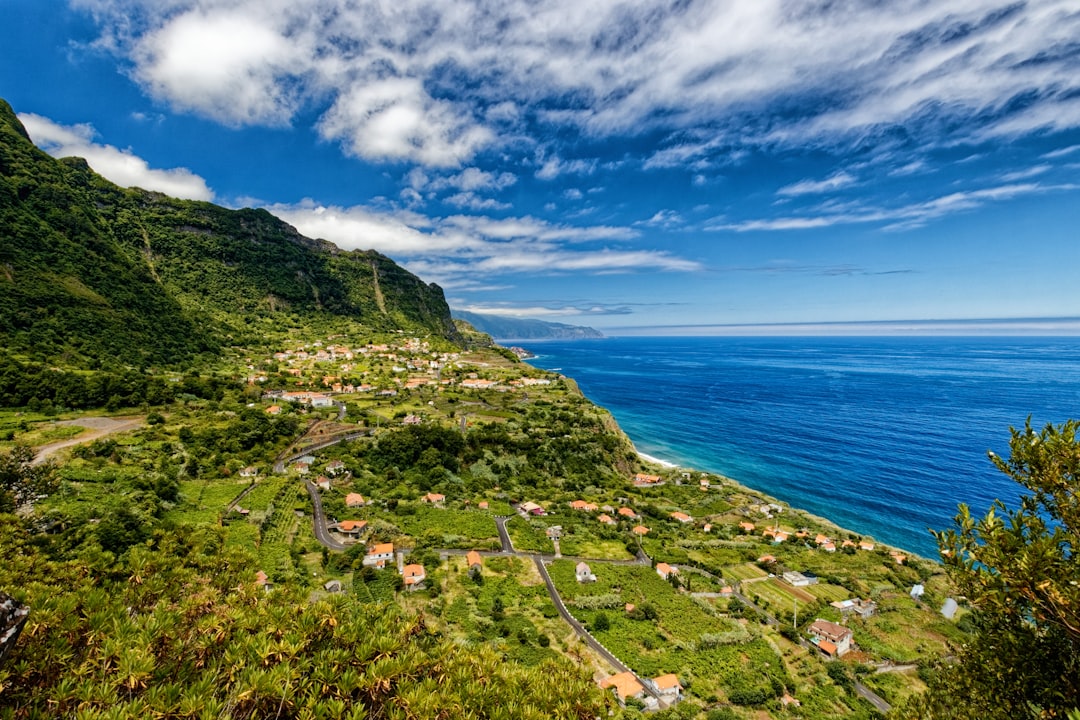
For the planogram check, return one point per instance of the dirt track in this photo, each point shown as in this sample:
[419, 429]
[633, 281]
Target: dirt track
[98, 427]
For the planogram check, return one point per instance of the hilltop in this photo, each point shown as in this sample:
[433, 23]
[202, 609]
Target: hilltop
[96, 275]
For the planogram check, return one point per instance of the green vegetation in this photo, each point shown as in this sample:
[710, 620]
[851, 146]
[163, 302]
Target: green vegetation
[100, 278]
[1019, 570]
[173, 569]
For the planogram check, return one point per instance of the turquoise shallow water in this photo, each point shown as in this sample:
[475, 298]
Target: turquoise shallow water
[884, 436]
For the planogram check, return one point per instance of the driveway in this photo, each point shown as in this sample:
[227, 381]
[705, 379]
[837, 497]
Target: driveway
[98, 427]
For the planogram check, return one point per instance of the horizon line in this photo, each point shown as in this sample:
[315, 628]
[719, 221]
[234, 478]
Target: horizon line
[985, 327]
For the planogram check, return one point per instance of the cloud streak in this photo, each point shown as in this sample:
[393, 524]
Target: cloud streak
[458, 249]
[904, 217]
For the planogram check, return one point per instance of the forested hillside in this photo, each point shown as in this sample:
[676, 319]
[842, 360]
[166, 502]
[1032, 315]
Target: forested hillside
[93, 274]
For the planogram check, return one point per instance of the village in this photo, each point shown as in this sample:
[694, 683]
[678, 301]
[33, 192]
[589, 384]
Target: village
[743, 569]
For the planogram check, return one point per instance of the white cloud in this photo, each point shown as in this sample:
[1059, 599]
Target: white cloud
[837, 181]
[472, 201]
[1061, 152]
[436, 83]
[396, 119]
[229, 63]
[119, 166]
[540, 311]
[663, 219]
[553, 166]
[899, 218]
[459, 250]
[1025, 173]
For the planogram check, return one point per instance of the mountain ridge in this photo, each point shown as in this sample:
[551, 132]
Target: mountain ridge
[93, 272]
[503, 328]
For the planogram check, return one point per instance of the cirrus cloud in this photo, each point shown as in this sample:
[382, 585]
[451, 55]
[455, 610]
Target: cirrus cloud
[437, 83]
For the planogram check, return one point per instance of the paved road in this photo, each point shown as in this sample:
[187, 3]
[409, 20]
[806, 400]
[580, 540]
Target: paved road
[319, 519]
[507, 546]
[874, 699]
[582, 633]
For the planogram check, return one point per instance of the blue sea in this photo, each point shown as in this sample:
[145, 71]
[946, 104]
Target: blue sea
[882, 435]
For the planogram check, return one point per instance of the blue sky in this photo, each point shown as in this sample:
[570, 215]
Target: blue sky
[619, 164]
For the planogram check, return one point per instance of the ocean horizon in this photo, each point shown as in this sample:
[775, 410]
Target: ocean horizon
[883, 436]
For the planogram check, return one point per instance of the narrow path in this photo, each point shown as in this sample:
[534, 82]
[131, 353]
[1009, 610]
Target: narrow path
[236, 500]
[98, 426]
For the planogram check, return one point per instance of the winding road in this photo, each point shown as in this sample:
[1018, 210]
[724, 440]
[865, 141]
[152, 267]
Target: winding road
[322, 533]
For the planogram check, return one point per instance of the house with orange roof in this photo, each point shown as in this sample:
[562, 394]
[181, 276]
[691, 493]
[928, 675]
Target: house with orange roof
[667, 686]
[899, 557]
[351, 528]
[640, 530]
[434, 498]
[746, 526]
[832, 639]
[645, 480]
[473, 561]
[379, 555]
[273, 410]
[829, 546]
[354, 500]
[767, 559]
[681, 517]
[820, 539]
[866, 545]
[413, 576]
[666, 571]
[335, 467]
[483, 504]
[625, 685]
[323, 482]
[582, 505]
[627, 513]
[707, 527]
[263, 581]
[606, 519]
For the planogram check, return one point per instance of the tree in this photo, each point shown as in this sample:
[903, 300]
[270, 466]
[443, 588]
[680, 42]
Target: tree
[1020, 571]
[21, 481]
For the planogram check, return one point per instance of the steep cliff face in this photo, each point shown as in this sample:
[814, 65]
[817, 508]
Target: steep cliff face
[90, 271]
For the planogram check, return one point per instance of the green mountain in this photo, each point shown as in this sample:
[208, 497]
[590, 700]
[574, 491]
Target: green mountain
[502, 328]
[93, 272]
